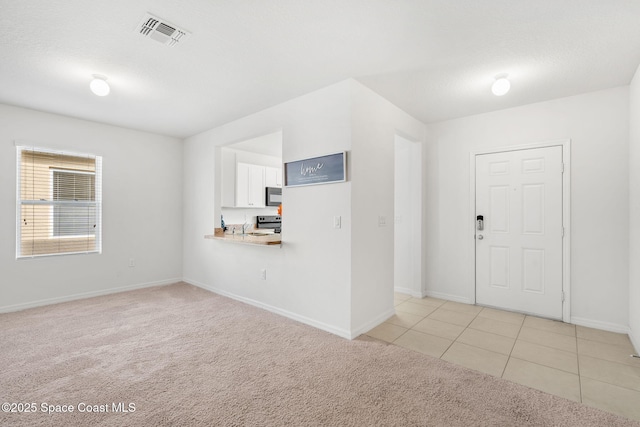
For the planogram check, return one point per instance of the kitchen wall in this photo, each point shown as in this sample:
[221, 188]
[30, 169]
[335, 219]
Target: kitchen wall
[309, 277]
[597, 124]
[142, 211]
[634, 212]
[339, 280]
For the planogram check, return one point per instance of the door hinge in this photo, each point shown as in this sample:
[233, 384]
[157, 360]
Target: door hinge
[562, 231]
[562, 296]
[562, 168]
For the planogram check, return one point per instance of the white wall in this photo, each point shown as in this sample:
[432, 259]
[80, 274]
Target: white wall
[142, 211]
[340, 280]
[309, 277]
[408, 217]
[597, 124]
[430, 213]
[634, 212]
[375, 124]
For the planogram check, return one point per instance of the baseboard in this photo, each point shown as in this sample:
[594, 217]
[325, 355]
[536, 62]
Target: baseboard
[448, 297]
[635, 343]
[83, 295]
[597, 324]
[372, 324]
[302, 319]
[408, 291]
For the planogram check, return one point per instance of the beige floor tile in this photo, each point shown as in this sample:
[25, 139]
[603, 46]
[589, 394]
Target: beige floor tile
[550, 326]
[403, 319]
[602, 336]
[610, 372]
[547, 356]
[502, 316]
[476, 358]
[461, 308]
[495, 327]
[387, 332]
[550, 380]
[613, 353]
[454, 317]
[488, 341]
[423, 343]
[397, 301]
[611, 398]
[413, 308]
[431, 302]
[548, 339]
[438, 328]
[400, 296]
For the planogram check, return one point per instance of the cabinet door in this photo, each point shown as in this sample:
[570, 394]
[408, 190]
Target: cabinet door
[249, 186]
[272, 177]
[256, 186]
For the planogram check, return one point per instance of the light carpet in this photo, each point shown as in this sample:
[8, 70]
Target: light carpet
[184, 356]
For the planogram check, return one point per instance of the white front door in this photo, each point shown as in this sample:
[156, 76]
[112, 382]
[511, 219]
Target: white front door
[519, 249]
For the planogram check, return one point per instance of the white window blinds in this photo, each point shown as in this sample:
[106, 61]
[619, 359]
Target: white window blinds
[59, 202]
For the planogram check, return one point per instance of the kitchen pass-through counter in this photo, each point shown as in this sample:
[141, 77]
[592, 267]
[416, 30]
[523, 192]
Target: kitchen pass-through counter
[252, 237]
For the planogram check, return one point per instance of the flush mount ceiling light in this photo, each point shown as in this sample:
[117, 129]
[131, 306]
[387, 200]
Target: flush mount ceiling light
[99, 85]
[501, 86]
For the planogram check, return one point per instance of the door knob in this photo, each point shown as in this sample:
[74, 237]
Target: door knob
[480, 237]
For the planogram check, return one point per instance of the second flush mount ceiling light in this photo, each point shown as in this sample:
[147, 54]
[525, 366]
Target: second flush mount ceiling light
[99, 85]
[501, 86]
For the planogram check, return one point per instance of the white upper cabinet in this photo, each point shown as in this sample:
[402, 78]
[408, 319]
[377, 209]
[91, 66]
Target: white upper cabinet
[272, 177]
[250, 186]
[244, 177]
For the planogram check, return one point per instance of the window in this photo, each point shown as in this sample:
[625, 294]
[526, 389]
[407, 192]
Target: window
[59, 203]
[72, 219]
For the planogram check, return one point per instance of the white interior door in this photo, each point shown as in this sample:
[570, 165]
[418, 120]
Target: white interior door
[519, 250]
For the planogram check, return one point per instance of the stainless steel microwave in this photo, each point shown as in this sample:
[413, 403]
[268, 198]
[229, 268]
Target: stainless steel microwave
[273, 196]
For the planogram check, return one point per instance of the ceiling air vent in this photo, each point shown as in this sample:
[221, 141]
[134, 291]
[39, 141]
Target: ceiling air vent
[161, 31]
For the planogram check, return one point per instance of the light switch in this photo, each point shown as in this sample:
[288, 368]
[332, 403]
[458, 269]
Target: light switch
[337, 222]
[382, 221]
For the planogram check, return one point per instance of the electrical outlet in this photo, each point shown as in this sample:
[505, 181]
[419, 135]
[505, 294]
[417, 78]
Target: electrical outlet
[382, 221]
[132, 262]
[337, 222]
[263, 274]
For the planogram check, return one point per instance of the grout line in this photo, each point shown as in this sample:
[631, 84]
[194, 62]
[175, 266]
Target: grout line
[465, 328]
[575, 335]
[579, 374]
[512, 347]
[510, 355]
[408, 329]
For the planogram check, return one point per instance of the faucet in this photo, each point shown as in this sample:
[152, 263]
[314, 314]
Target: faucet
[244, 228]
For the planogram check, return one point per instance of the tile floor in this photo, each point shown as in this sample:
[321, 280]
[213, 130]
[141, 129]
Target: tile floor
[582, 364]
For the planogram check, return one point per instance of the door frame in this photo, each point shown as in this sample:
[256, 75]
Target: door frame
[566, 214]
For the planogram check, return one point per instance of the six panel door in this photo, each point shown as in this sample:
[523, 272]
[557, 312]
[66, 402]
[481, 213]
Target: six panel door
[519, 251]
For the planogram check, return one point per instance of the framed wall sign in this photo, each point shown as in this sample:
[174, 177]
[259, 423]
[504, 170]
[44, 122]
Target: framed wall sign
[316, 170]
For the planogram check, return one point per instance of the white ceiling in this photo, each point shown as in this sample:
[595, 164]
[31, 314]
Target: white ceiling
[436, 59]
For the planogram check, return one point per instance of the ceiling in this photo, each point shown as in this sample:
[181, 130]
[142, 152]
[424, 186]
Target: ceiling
[435, 59]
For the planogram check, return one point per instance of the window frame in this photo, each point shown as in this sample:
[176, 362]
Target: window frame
[20, 148]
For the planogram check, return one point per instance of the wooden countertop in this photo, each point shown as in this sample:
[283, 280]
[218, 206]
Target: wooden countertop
[265, 240]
